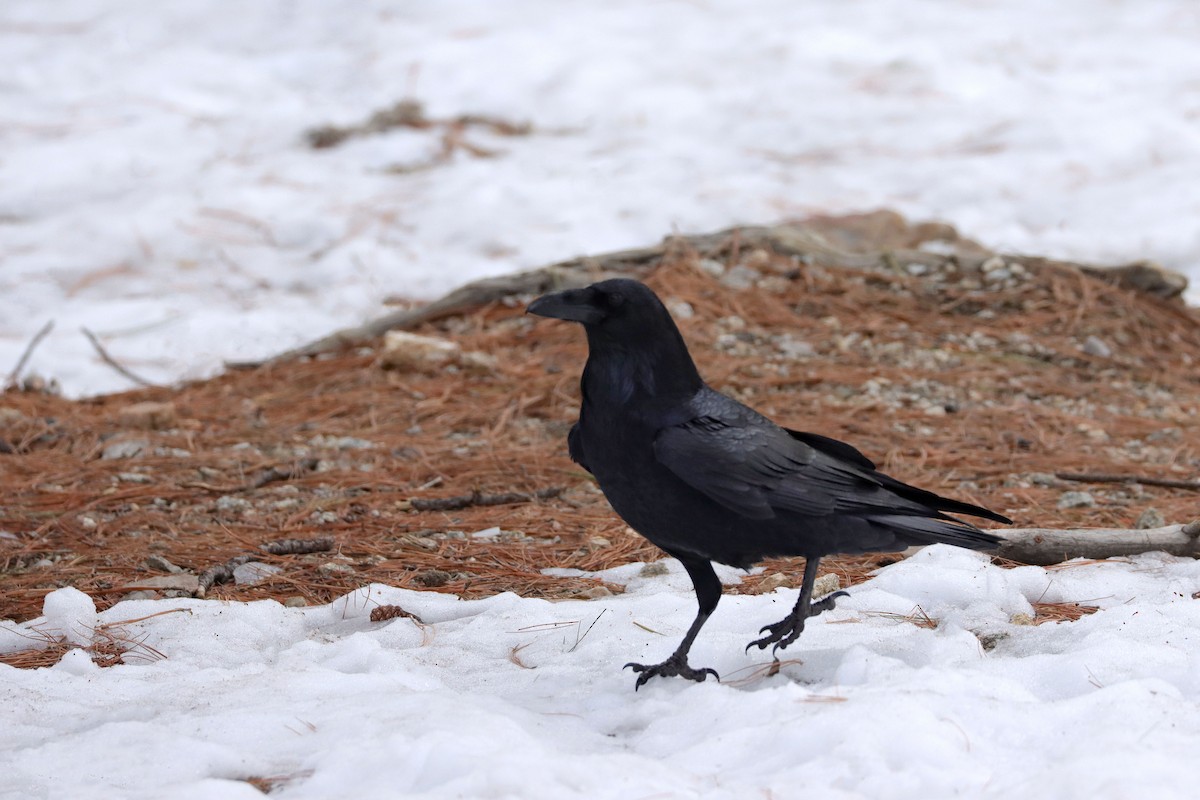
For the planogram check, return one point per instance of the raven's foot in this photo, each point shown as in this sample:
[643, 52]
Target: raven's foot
[675, 665]
[787, 630]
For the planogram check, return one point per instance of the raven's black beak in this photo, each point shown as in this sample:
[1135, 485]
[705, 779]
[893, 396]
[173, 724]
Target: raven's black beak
[574, 305]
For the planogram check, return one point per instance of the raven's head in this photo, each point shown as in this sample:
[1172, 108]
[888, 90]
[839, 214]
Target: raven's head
[614, 306]
[634, 348]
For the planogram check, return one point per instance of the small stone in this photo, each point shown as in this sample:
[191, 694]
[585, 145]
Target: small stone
[487, 533]
[1094, 346]
[141, 594]
[740, 277]
[776, 580]
[404, 350]
[1076, 500]
[230, 503]
[475, 361]
[124, 448]
[335, 568]
[295, 602]
[598, 542]
[681, 309]
[1042, 479]
[10, 417]
[134, 477]
[826, 584]
[253, 572]
[182, 582]
[148, 415]
[653, 569]
[1021, 619]
[157, 562]
[341, 442]
[714, 268]
[1150, 518]
[87, 523]
[596, 592]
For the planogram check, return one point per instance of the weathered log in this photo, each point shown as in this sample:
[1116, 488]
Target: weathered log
[1048, 546]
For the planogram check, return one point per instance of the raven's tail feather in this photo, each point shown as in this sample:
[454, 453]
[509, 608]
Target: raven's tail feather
[929, 530]
[936, 501]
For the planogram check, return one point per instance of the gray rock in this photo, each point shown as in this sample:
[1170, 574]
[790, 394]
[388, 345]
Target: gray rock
[230, 503]
[741, 277]
[253, 572]
[124, 448]
[295, 602]
[653, 569]
[157, 562]
[1094, 346]
[1076, 500]
[1150, 518]
[183, 582]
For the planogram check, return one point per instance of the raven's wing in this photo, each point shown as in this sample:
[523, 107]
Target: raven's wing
[575, 447]
[833, 447]
[756, 469]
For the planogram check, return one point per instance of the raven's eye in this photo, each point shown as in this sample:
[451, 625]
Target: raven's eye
[616, 300]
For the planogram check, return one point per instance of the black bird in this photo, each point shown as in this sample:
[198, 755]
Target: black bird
[707, 478]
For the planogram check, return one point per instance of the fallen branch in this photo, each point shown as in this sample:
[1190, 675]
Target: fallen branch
[15, 375]
[806, 242]
[223, 573]
[298, 547]
[1048, 546]
[477, 499]
[1108, 477]
[269, 475]
[112, 362]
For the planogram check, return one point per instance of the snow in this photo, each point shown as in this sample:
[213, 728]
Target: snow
[155, 186]
[517, 697]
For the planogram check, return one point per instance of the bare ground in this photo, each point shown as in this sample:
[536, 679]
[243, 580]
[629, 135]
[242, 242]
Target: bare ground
[976, 383]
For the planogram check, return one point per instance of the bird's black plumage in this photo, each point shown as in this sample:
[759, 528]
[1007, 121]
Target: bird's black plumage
[707, 478]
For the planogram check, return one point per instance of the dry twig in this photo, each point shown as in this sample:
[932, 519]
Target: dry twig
[15, 375]
[459, 502]
[1108, 477]
[112, 362]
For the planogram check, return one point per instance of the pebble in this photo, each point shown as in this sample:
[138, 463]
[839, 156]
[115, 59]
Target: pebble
[1150, 518]
[230, 503]
[1094, 346]
[1076, 500]
[653, 569]
[253, 572]
[124, 448]
[157, 562]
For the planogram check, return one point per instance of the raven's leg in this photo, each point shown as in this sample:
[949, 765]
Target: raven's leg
[785, 631]
[708, 592]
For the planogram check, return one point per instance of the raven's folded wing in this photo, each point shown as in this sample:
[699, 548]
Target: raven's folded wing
[757, 470]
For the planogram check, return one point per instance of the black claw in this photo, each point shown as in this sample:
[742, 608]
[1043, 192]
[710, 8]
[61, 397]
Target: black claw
[672, 667]
[787, 630]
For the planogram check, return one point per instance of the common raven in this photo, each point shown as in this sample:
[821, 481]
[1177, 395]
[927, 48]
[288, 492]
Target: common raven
[707, 479]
